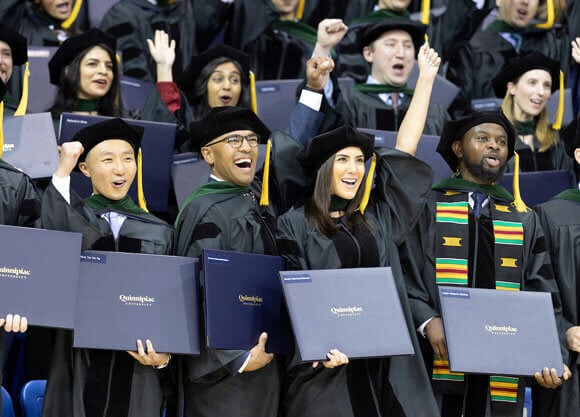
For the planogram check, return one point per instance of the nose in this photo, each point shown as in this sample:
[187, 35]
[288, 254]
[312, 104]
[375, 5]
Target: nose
[119, 167]
[351, 167]
[226, 85]
[399, 49]
[102, 68]
[245, 146]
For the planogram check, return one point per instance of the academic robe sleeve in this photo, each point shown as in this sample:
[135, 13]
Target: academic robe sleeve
[19, 199]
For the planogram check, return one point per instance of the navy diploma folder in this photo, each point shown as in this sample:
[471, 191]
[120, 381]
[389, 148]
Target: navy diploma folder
[123, 297]
[356, 311]
[38, 275]
[243, 298]
[499, 332]
[157, 146]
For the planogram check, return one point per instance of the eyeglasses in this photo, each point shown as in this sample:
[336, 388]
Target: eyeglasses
[235, 141]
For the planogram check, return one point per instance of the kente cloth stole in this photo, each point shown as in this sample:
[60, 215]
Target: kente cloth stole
[452, 250]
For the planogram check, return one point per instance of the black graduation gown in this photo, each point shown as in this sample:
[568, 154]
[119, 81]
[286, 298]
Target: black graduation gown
[402, 184]
[418, 252]
[19, 206]
[236, 222]
[554, 158]
[560, 219]
[367, 110]
[192, 24]
[73, 387]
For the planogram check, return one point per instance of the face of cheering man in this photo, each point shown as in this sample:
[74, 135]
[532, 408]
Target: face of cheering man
[232, 157]
[5, 62]
[348, 171]
[391, 56]
[111, 166]
[286, 8]
[482, 153]
[517, 13]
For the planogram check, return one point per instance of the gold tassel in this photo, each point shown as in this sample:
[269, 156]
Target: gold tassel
[550, 16]
[560, 113]
[425, 11]
[364, 202]
[518, 201]
[22, 106]
[1, 129]
[140, 192]
[253, 97]
[300, 9]
[68, 22]
[266, 176]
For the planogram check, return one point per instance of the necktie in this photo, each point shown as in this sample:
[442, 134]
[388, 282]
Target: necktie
[395, 99]
[115, 223]
[478, 199]
[517, 41]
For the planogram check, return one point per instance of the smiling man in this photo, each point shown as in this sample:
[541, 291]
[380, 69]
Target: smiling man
[477, 148]
[13, 53]
[389, 47]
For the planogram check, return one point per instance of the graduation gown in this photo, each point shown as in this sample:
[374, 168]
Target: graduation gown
[560, 219]
[87, 382]
[536, 275]
[554, 158]
[235, 222]
[402, 184]
[192, 24]
[367, 110]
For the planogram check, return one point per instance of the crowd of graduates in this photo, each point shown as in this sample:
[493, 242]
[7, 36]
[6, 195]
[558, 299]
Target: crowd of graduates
[349, 205]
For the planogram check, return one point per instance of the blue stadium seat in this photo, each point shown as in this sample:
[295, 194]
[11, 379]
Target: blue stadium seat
[540, 186]
[528, 402]
[7, 407]
[32, 397]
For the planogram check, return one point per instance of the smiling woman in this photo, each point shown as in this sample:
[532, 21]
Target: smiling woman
[86, 72]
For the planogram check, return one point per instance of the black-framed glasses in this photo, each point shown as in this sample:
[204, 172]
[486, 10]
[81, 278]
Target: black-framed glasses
[235, 141]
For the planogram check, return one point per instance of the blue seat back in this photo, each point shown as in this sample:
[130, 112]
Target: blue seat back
[32, 397]
[7, 407]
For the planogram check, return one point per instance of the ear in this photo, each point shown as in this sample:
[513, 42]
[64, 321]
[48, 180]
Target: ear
[511, 88]
[84, 169]
[208, 155]
[457, 148]
[367, 54]
[577, 155]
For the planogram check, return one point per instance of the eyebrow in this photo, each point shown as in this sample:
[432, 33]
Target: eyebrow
[361, 155]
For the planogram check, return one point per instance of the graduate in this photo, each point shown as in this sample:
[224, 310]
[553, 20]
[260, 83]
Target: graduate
[86, 72]
[13, 54]
[192, 24]
[473, 65]
[339, 227]
[526, 84]
[80, 382]
[19, 206]
[477, 148]
[390, 47]
[560, 219]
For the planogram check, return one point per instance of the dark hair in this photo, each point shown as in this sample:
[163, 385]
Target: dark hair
[198, 97]
[317, 207]
[66, 99]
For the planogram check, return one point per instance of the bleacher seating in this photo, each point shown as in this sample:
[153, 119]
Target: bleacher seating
[32, 397]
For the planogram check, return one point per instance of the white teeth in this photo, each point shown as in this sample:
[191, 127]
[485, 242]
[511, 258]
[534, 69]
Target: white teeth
[350, 182]
[244, 161]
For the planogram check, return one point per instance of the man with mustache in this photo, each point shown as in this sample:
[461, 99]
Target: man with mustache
[477, 148]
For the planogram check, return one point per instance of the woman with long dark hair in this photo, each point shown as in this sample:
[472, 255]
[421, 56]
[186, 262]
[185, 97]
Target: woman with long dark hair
[86, 71]
[345, 225]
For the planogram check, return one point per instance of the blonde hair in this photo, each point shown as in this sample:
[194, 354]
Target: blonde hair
[547, 136]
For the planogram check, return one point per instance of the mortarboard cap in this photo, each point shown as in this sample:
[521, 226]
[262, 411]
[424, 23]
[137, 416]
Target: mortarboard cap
[320, 148]
[115, 128]
[373, 31]
[571, 137]
[221, 120]
[518, 66]
[454, 130]
[17, 42]
[72, 47]
[198, 62]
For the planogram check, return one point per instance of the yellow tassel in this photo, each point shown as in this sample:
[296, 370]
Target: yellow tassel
[300, 9]
[425, 11]
[21, 110]
[550, 16]
[368, 185]
[253, 97]
[266, 176]
[1, 129]
[518, 201]
[140, 192]
[68, 22]
[560, 113]
[426, 38]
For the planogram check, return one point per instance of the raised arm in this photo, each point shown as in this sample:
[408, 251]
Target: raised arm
[414, 121]
[163, 53]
